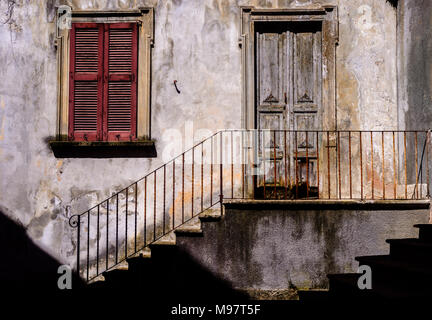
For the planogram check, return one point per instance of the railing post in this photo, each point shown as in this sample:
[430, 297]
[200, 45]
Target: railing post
[428, 145]
[78, 244]
[136, 213]
[211, 171]
[88, 245]
[75, 222]
[394, 169]
[318, 162]
[405, 165]
[107, 236]
[97, 242]
[126, 224]
[117, 228]
[154, 206]
[221, 174]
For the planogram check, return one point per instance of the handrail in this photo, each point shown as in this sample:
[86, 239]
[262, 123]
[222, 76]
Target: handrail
[420, 171]
[147, 175]
[263, 164]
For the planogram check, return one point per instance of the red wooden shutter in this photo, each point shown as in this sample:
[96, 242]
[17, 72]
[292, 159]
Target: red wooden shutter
[120, 85]
[85, 82]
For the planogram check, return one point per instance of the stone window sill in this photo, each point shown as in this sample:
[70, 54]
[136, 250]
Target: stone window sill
[103, 149]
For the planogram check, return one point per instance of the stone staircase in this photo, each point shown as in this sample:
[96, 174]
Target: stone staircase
[406, 273]
[165, 269]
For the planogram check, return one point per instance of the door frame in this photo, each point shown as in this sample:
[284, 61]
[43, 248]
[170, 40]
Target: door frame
[330, 36]
[328, 15]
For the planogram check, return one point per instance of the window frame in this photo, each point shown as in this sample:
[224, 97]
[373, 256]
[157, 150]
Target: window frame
[144, 18]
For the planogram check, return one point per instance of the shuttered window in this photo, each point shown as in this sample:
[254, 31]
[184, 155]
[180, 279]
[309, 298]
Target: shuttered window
[103, 82]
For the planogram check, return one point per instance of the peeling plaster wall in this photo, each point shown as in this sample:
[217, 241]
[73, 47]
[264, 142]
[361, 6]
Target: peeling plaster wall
[414, 47]
[366, 66]
[196, 43]
[414, 64]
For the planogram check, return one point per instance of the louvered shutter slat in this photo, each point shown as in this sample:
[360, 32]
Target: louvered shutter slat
[119, 111]
[85, 109]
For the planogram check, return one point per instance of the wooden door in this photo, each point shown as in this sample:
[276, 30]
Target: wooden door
[288, 97]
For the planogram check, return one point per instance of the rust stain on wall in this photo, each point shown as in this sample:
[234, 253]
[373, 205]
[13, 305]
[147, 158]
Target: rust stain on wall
[347, 91]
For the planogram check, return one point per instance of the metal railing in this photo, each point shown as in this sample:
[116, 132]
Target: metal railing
[250, 164]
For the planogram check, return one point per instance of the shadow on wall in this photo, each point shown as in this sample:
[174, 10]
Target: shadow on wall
[23, 265]
[394, 3]
[171, 273]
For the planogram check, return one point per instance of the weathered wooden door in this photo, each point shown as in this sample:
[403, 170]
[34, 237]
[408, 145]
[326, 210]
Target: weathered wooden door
[288, 97]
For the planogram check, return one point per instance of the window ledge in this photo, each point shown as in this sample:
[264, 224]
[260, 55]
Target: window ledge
[103, 149]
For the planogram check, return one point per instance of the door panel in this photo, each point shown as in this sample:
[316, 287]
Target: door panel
[307, 99]
[272, 68]
[304, 121]
[288, 97]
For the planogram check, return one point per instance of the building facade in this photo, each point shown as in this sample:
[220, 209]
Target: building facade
[183, 70]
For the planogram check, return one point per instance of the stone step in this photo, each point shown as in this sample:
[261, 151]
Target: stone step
[392, 264]
[161, 244]
[425, 232]
[210, 215]
[406, 273]
[345, 287]
[143, 253]
[139, 262]
[95, 282]
[118, 278]
[163, 250]
[411, 249]
[188, 231]
[210, 218]
[118, 270]
[345, 283]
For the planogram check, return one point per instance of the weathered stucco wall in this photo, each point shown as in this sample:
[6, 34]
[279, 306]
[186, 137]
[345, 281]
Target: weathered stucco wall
[414, 64]
[366, 66]
[196, 43]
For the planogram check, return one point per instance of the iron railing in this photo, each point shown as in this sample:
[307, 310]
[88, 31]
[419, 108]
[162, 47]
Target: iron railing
[250, 164]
